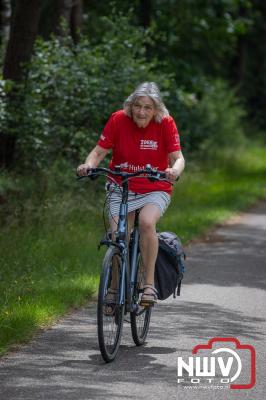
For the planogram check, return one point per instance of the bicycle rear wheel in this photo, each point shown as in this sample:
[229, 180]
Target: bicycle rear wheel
[140, 318]
[110, 314]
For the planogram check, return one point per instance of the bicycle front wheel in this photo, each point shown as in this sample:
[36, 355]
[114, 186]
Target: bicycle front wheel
[140, 318]
[110, 313]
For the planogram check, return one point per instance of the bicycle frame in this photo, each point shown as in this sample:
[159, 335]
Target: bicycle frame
[129, 266]
[114, 302]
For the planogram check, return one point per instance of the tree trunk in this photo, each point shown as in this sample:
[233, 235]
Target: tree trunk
[145, 13]
[5, 11]
[240, 62]
[71, 11]
[240, 55]
[76, 20]
[24, 26]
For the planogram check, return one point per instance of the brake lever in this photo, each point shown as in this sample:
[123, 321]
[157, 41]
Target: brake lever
[154, 179]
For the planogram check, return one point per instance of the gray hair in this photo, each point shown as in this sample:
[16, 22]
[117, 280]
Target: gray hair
[149, 89]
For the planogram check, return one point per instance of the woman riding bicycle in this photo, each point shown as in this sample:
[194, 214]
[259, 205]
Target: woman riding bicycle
[140, 134]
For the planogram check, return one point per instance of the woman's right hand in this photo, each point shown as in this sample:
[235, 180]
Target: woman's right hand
[82, 169]
[92, 161]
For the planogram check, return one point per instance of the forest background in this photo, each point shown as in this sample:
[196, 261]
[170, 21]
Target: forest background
[66, 66]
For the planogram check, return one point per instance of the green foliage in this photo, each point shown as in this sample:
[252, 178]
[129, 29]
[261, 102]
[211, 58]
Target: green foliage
[2, 103]
[59, 111]
[71, 91]
[199, 37]
[217, 120]
[4, 88]
[221, 116]
[208, 120]
[211, 190]
[253, 86]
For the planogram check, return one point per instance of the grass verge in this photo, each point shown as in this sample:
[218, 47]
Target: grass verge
[211, 193]
[49, 257]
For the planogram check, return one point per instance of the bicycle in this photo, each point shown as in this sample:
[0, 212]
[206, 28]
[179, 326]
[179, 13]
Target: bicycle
[122, 276]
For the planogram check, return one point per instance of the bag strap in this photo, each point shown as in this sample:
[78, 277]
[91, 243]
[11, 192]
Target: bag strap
[151, 287]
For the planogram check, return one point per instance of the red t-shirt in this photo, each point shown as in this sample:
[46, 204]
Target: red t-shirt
[133, 148]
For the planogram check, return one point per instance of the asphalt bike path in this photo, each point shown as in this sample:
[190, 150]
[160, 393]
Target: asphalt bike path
[222, 296]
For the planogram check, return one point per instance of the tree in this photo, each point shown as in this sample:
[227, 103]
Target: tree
[71, 11]
[24, 26]
[253, 84]
[145, 13]
[5, 12]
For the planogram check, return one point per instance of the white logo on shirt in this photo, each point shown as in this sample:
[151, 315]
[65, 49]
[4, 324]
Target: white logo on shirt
[148, 145]
[133, 167]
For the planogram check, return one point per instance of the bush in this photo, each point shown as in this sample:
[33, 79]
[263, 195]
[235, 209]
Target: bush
[3, 93]
[211, 120]
[72, 90]
[221, 117]
[59, 111]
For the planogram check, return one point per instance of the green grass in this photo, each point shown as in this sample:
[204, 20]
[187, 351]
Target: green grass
[49, 263]
[208, 195]
[48, 244]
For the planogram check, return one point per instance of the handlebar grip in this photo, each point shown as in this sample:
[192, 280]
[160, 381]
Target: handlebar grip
[157, 176]
[92, 175]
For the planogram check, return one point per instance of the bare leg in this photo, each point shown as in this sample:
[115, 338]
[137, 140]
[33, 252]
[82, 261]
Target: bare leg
[149, 216]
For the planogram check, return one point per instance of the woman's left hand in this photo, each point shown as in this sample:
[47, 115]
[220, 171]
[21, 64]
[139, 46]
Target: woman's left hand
[171, 174]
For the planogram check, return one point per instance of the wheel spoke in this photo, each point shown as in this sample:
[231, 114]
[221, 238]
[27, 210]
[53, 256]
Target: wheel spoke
[140, 319]
[110, 313]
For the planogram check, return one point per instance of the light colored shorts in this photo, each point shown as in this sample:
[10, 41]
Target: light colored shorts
[136, 200]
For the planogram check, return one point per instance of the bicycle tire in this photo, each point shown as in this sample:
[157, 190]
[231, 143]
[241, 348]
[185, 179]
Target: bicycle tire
[140, 318]
[109, 326]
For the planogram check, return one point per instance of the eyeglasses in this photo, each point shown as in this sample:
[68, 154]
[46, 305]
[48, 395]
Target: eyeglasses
[146, 108]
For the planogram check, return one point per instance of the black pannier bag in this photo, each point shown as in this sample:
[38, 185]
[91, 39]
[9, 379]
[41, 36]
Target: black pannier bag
[169, 267]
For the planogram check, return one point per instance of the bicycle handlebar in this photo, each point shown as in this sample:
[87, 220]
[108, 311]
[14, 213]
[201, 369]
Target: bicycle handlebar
[151, 173]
